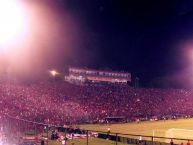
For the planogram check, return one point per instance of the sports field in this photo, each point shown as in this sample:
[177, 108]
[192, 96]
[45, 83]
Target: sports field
[181, 128]
[94, 141]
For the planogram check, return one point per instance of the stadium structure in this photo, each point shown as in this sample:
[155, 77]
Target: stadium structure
[50, 112]
[86, 109]
[82, 76]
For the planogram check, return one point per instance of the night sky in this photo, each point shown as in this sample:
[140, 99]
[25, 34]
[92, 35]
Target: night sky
[147, 38]
[152, 39]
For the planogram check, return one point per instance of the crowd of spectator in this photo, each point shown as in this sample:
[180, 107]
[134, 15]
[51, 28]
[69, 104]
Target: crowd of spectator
[63, 103]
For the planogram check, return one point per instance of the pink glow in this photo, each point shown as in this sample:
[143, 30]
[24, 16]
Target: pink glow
[12, 22]
[42, 40]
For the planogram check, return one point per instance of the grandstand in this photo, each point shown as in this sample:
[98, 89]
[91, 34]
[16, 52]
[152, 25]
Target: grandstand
[82, 76]
[80, 104]
[62, 104]
[89, 106]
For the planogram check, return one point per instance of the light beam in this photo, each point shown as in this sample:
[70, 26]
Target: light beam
[11, 21]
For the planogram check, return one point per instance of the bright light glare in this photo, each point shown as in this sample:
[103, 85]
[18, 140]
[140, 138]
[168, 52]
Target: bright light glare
[53, 72]
[11, 20]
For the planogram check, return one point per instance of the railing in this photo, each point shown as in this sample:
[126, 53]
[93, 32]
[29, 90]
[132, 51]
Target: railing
[20, 130]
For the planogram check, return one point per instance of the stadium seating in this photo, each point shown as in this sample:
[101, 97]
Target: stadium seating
[62, 103]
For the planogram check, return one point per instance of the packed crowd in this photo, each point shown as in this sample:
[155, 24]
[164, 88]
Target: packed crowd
[63, 103]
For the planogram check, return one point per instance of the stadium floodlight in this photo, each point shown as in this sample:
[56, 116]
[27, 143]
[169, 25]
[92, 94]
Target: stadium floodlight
[11, 20]
[53, 73]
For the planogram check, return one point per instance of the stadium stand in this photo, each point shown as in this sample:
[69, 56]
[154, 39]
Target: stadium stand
[62, 103]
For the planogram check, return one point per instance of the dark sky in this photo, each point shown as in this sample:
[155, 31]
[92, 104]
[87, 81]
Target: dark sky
[149, 38]
[140, 36]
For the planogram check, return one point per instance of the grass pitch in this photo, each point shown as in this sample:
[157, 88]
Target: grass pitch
[94, 141]
[181, 128]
